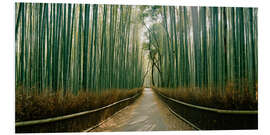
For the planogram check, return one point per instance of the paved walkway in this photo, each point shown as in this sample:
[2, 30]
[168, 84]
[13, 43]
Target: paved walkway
[147, 113]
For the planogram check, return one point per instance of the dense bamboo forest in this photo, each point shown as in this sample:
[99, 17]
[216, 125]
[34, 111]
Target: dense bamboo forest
[80, 53]
[204, 55]
[76, 57]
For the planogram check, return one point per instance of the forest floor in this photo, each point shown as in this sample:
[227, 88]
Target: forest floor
[35, 106]
[230, 99]
[147, 113]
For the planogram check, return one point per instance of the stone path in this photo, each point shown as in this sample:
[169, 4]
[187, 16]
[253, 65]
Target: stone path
[147, 113]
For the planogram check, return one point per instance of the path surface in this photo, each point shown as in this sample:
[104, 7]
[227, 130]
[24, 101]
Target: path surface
[147, 113]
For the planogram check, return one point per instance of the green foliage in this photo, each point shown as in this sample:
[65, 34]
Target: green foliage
[74, 47]
[204, 47]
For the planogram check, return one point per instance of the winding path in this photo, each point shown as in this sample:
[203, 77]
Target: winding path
[147, 113]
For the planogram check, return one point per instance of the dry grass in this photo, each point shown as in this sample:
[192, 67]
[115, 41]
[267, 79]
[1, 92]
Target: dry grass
[229, 99]
[33, 105]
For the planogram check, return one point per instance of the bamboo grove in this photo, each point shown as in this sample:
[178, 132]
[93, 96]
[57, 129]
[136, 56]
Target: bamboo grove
[74, 47]
[210, 48]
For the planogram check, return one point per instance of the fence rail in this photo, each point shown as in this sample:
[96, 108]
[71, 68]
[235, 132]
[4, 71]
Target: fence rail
[212, 118]
[58, 119]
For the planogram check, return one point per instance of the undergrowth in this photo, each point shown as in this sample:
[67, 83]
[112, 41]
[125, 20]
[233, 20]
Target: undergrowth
[230, 98]
[47, 104]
